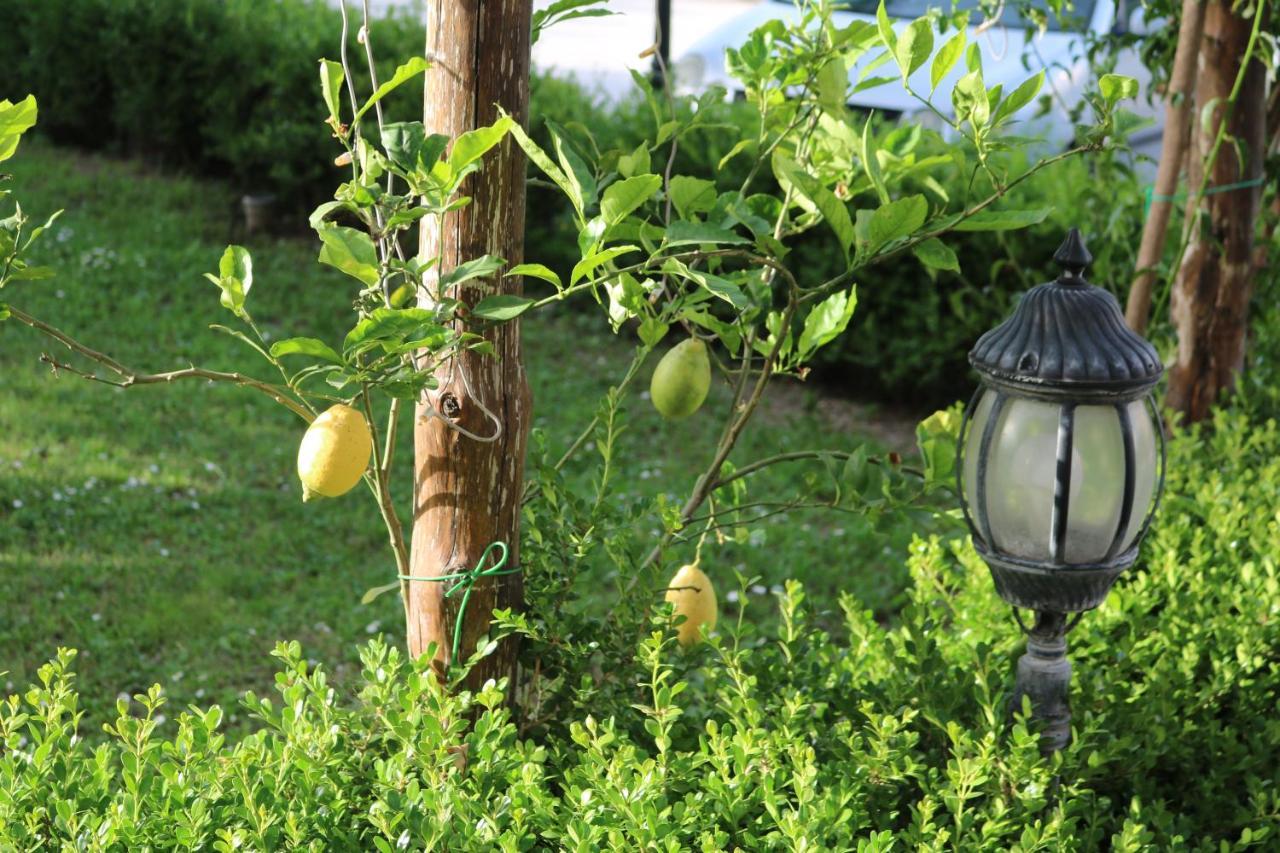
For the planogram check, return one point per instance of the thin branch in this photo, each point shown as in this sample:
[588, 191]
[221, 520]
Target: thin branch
[833, 284]
[748, 470]
[130, 377]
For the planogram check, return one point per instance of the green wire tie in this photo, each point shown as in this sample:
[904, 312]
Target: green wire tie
[465, 582]
[1151, 195]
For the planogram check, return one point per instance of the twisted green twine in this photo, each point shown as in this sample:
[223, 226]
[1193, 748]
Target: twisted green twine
[1152, 195]
[465, 582]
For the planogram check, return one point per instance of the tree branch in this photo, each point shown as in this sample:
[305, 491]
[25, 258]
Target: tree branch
[130, 377]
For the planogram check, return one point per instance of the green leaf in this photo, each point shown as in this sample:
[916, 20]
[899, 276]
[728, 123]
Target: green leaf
[828, 319]
[870, 163]
[914, 46]
[721, 287]
[331, 78]
[831, 85]
[415, 66]
[1114, 87]
[1003, 220]
[317, 218]
[833, 210]
[584, 267]
[936, 436]
[885, 28]
[1020, 97]
[472, 145]
[565, 10]
[896, 219]
[369, 596]
[536, 271]
[635, 163]
[692, 195]
[738, 147]
[502, 307]
[540, 159]
[970, 99]
[15, 120]
[651, 330]
[409, 147]
[22, 272]
[622, 197]
[579, 177]
[234, 279]
[392, 326]
[306, 346]
[683, 233]
[946, 59]
[350, 251]
[485, 265]
[936, 255]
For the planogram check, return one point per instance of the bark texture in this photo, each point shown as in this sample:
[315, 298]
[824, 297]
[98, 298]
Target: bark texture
[1211, 293]
[467, 492]
[1178, 112]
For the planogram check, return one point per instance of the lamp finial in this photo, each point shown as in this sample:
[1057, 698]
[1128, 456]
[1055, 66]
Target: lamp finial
[1073, 256]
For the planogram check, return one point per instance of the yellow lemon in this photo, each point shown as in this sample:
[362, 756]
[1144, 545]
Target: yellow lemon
[334, 453]
[694, 598]
[681, 379]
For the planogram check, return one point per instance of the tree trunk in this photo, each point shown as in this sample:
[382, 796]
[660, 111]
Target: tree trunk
[467, 491]
[1178, 113]
[1215, 279]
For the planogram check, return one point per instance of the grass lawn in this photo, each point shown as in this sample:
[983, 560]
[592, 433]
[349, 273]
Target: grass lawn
[161, 531]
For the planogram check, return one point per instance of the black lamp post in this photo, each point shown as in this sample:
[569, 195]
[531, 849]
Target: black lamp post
[1060, 466]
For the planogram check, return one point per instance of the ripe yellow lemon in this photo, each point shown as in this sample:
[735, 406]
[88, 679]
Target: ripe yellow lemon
[681, 379]
[694, 598]
[334, 453]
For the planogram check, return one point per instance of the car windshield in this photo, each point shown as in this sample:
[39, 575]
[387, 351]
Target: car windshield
[1010, 13]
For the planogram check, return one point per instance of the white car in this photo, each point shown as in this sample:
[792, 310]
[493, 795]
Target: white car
[1059, 50]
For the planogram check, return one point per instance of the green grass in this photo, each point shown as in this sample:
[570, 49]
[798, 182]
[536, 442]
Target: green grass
[160, 530]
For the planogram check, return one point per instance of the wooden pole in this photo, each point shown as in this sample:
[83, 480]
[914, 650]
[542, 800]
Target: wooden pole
[467, 492]
[1210, 300]
[1178, 112]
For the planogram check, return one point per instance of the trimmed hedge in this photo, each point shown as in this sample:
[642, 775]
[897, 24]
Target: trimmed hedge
[857, 737]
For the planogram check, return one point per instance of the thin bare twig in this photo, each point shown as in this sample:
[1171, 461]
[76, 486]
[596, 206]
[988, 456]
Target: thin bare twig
[128, 377]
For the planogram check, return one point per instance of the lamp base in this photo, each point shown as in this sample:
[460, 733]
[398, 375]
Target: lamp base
[1044, 676]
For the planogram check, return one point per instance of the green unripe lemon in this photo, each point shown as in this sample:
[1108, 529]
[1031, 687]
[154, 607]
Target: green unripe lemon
[681, 379]
[694, 598]
[334, 453]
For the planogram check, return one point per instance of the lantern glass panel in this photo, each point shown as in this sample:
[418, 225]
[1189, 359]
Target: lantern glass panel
[1022, 465]
[1097, 484]
[972, 444]
[1146, 459]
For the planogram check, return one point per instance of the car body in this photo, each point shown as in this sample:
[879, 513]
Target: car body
[1005, 46]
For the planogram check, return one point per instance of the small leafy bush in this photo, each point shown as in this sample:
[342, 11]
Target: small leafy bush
[850, 736]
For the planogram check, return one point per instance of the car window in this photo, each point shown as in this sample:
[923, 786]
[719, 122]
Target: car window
[1010, 12]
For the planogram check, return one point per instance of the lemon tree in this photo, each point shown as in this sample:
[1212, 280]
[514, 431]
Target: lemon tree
[669, 257]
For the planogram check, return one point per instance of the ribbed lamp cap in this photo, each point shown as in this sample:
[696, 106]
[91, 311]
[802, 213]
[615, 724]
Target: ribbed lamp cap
[1068, 339]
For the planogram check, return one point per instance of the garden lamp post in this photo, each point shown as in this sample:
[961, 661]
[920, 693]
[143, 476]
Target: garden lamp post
[1060, 465]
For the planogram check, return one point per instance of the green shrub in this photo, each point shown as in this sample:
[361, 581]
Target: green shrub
[223, 88]
[852, 736]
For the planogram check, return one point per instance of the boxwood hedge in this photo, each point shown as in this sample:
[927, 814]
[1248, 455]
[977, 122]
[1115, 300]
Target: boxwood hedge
[829, 731]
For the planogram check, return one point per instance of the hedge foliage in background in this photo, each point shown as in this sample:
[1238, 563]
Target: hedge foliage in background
[228, 88]
[221, 87]
[855, 736]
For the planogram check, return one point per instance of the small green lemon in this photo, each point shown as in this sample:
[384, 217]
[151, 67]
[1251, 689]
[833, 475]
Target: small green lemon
[334, 453]
[694, 598]
[681, 379]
